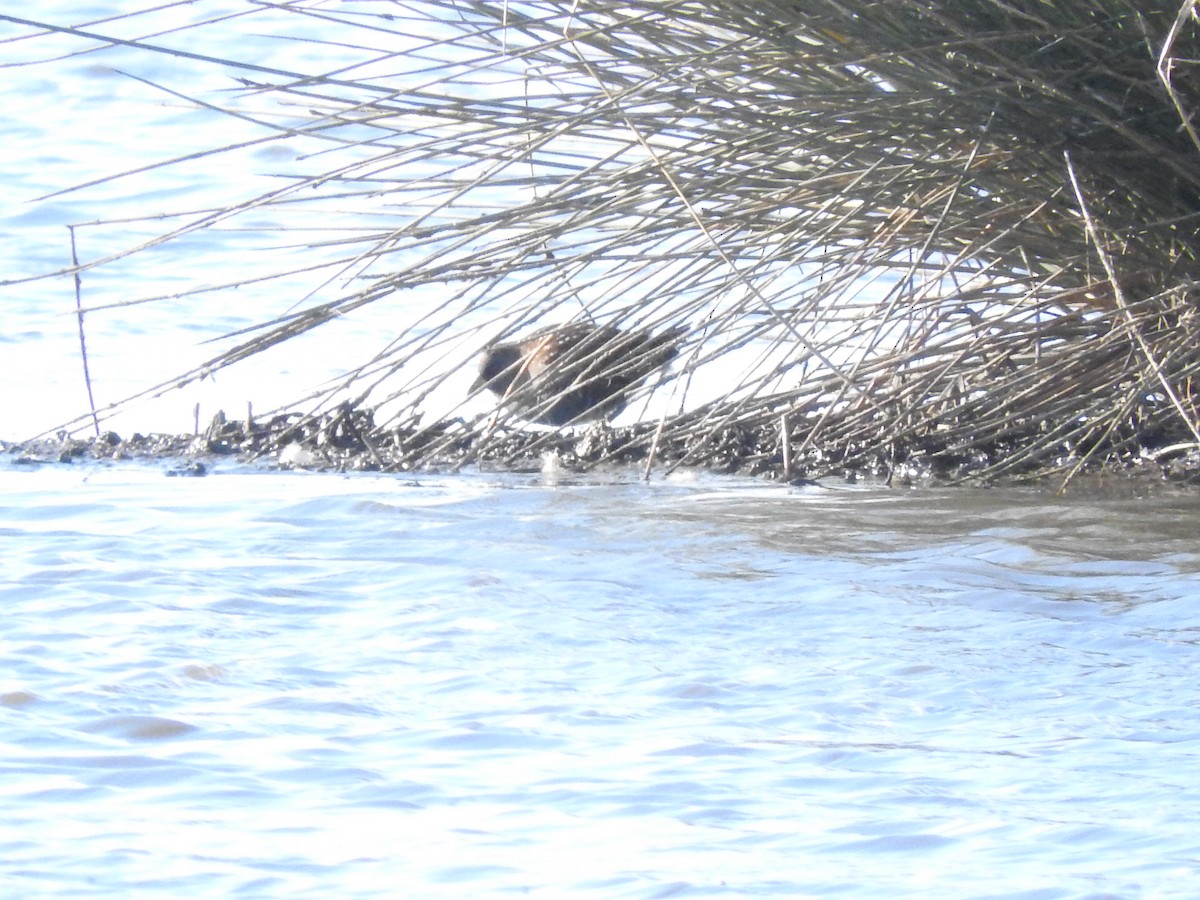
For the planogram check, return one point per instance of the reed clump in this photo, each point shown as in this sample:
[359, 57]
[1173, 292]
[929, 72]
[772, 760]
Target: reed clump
[917, 238]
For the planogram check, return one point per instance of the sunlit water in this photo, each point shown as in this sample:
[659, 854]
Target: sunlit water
[87, 133]
[268, 684]
[311, 685]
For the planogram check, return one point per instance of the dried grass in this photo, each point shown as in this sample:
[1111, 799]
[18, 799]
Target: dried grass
[963, 232]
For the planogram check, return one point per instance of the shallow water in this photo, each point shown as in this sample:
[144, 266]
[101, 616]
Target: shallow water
[276, 684]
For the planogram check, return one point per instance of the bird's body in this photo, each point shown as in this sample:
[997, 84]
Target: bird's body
[573, 373]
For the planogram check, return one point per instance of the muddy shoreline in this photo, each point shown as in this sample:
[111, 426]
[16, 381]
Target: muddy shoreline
[346, 440]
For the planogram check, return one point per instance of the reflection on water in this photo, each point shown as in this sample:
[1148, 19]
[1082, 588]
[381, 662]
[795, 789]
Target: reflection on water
[293, 685]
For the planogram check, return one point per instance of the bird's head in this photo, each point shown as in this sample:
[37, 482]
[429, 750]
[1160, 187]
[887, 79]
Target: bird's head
[498, 368]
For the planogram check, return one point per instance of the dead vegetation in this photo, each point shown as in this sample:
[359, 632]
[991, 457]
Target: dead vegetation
[951, 238]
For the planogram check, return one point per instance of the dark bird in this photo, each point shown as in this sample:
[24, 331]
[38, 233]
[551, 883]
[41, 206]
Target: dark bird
[575, 372]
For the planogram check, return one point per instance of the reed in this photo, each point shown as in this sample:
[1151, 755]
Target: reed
[959, 236]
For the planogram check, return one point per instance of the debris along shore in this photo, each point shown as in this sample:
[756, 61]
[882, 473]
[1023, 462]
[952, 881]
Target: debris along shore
[959, 240]
[346, 441]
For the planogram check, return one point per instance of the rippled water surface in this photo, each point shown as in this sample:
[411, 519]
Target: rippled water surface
[275, 684]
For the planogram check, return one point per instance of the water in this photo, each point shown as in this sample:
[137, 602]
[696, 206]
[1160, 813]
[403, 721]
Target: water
[278, 684]
[47, 163]
[269, 684]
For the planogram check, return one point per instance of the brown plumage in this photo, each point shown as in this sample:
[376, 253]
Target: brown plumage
[575, 372]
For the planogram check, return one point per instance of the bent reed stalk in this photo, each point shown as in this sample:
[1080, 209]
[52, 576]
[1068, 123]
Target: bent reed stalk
[953, 235]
